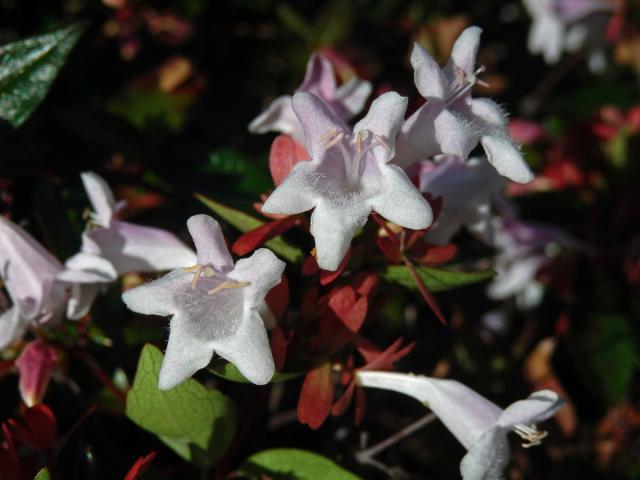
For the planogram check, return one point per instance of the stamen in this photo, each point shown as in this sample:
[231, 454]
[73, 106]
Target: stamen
[228, 284]
[197, 270]
[530, 433]
[382, 142]
[328, 135]
[334, 140]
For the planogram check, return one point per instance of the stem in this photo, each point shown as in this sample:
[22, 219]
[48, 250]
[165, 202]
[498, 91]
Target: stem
[424, 291]
[366, 456]
[103, 377]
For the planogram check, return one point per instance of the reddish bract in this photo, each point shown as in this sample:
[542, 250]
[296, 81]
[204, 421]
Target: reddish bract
[255, 238]
[37, 428]
[35, 366]
[316, 396]
[285, 153]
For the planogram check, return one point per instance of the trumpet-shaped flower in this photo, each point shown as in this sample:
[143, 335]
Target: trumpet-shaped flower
[521, 253]
[453, 122]
[345, 101]
[467, 190]
[128, 247]
[348, 176]
[213, 307]
[478, 424]
[559, 25]
[29, 273]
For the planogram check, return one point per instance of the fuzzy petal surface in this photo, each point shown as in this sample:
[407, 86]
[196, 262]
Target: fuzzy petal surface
[210, 243]
[427, 75]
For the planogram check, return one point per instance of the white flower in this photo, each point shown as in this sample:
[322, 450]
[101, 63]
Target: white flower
[213, 307]
[348, 176]
[467, 190]
[453, 122]
[344, 101]
[478, 424]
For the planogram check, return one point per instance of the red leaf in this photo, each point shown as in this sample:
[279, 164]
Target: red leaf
[35, 366]
[9, 463]
[316, 396]
[345, 400]
[377, 360]
[37, 428]
[278, 298]
[347, 309]
[278, 347]
[389, 248]
[310, 266]
[434, 254]
[365, 284]
[285, 153]
[257, 237]
[141, 466]
[326, 276]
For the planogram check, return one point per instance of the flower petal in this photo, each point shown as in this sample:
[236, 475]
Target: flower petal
[100, 196]
[210, 244]
[432, 130]
[352, 96]
[506, 157]
[82, 298]
[88, 268]
[401, 202]
[320, 78]
[465, 51]
[157, 297]
[318, 121]
[249, 350]
[333, 226]
[427, 75]
[278, 117]
[185, 354]
[539, 406]
[295, 193]
[489, 112]
[514, 277]
[12, 326]
[384, 119]
[487, 457]
[464, 412]
[262, 270]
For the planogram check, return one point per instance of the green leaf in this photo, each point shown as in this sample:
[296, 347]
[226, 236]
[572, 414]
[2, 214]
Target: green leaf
[607, 357]
[436, 279]
[230, 372]
[293, 464]
[197, 423]
[43, 474]
[245, 222]
[28, 68]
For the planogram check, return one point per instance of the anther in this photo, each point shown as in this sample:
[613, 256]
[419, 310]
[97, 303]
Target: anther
[532, 435]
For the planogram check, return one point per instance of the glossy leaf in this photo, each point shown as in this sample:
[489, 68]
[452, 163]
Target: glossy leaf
[436, 279]
[43, 475]
[245, 222]
[197, 423]
[29, 67]
[291, 463]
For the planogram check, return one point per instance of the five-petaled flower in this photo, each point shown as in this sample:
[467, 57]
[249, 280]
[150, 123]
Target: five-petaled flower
[453, 122]
[345, 101]
[478, 424]
[214, 308]
[348, 176]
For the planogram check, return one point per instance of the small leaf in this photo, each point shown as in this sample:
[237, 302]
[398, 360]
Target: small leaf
[245, 222]
[256, 238]
[316, 396]
[436, 279]
[230, 372]
[43, 475]
[293, 464]
[197, 423]
[285, 153]
[28, 68]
